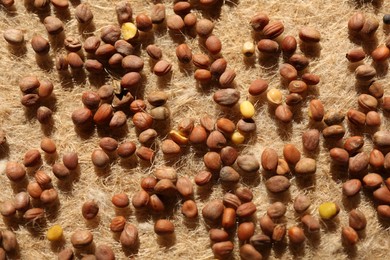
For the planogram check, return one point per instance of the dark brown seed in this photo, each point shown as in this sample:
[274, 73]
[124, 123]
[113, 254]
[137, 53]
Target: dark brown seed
[91, 44]
[40, 45]
[288, 44]
[353, 144]
[248, 252]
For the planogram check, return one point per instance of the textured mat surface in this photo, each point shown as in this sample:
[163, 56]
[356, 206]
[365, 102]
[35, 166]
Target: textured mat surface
[187, 99]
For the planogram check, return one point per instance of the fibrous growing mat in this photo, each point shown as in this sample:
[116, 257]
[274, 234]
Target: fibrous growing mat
[338, 90]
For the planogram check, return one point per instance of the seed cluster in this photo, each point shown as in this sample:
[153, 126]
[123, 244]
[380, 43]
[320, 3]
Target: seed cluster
[114, 107]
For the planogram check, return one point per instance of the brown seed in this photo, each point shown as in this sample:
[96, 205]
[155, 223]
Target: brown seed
[356, 22]
[248, 163]
[223, 249]
[365, 72]
[83, 13]
[34, 190]
[156, 204]
[277, 184]
[383, 211]
[358, 163]
[279, 233]
[104, 252]
[202, 178]
[29, 100]
[380, 54]
[382, 195]
[276, 210]
[129, 236]
[21, 201]
[226, 97]
[273, 29]
[90, 209]
[103, 114]
[48, 145]
[312, 224]
[246, 125]
[13, 36]
[160, 113]
[218, 67]
[246, 210]
[373, 119]
[296, 235]
[228, 218]
[60, 171]
[72, 44]
[291, 154]
[147, 136]
[288, 72]
[7, 208]
[60, 4]
[283, 167]
[40, 45]
[267, 225]
[225, 125]
[349, 235]
[372, 181]
[245, 231]
[218, 235]
[216, 140]
[260, 241]
[32, 214]
[91, 44]
[105, 51]
[189, 209]
[130, 80]
[259, 21]
[32, 157]
[283, 113]
[100, 159]
[269, 159]
[316, 110]
[333, 131]
[186, 126]
[370, 26]
[297, 86]
[357, 220]
[108, 144]
[309, 34]
[93, 66]
[157, 13]
[377, 159]
[203, 76]
[124, 12]
[204, 27]
[142, 120]
[140, 199]
[184, 187]
[268, 46]
[126, 149]
[299, 61]
[301, 203]
[367, 102]
[44, 114]
[213, 44]
[213, 210]
[144, 23]
[258, 87]
[74, 60]
[175, 23]
[81, 116]
[228, 155]
[183, 53]
[53, 25]
[117, 224]
[81, 238]
[144, 153]
[110, 34]
[162, 68]
[356, 117]
[353, 144]
[45, 88]
[132, 63]
[42, 178]
[289, 44]
[376, 90]
[248, 252]
[29, 84]
[311, 139]
[120, 200]
[351, 187]
[293, 99]
[118, 120]
[9, 241]
[49, 196]
[212, 161]
[244, 194]
[201, 61]
[305, 166]
[190, 20]
[164, 227]
[381, 139]
[165, 187]
[356, 54]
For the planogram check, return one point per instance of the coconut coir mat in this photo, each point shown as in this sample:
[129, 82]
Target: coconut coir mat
[188, 99]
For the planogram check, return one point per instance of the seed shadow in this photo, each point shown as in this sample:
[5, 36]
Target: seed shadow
[306, 183]
[297, 250]
[86, 30]
[58, 245]
[19, 51]
[311, 50]
[44, 61]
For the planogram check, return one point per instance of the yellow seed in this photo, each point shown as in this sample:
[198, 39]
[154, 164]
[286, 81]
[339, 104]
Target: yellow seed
[54, 233]
[328, 210]
[129, 31]
[248, 49]
[237, 137]
[274, 96]
[247, 109]
[178, 138]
